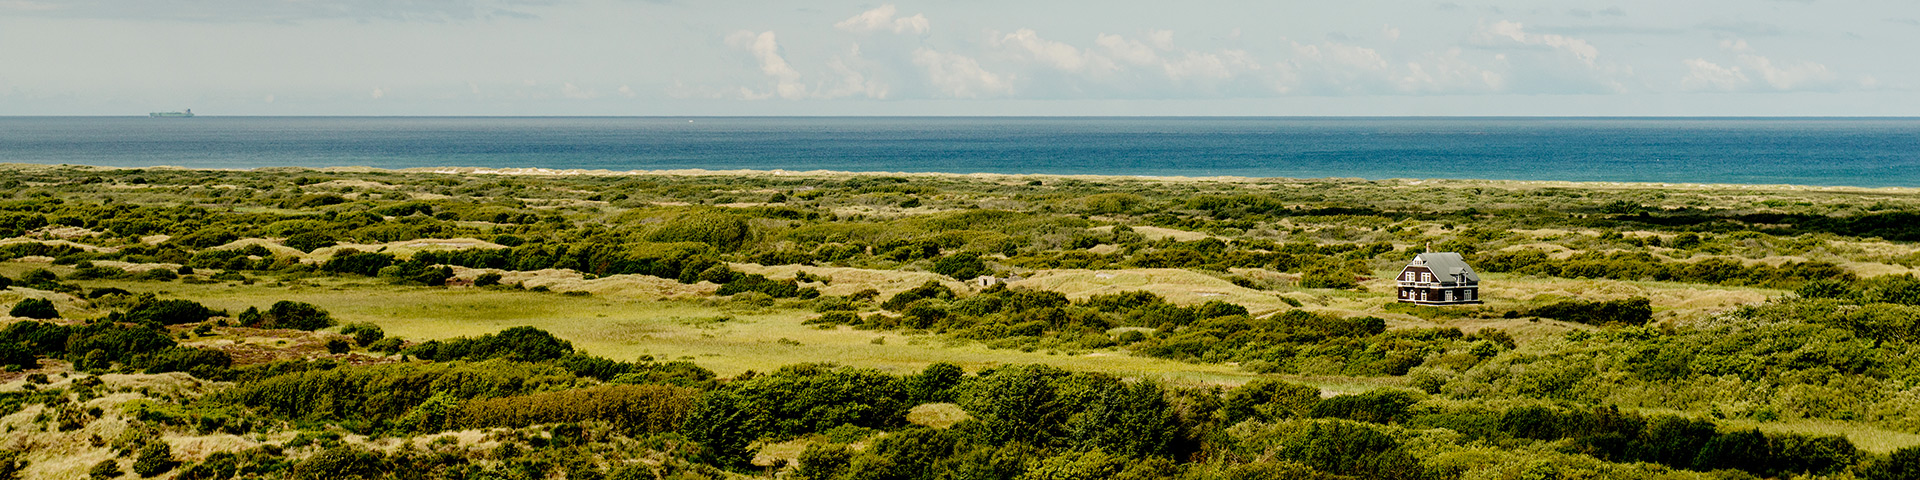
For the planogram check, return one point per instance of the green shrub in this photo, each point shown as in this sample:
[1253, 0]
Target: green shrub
[387, 345]
[106, 469]
[288, 314]
[1632, 311]
[722, 230]
[1383, 406]
[634, 409]
[34, 308]
[517, 343]
[363, 334]
[169, 311]
[187, 359]
[1269, 400]
[310, 241]
[962, 266]
[155, 458]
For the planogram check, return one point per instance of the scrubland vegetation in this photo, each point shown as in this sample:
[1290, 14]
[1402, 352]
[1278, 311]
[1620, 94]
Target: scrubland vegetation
[293, 323]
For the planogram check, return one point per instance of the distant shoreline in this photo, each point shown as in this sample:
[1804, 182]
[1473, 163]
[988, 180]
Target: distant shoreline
[1448, 182]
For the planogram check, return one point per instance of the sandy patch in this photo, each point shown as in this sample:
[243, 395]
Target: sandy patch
[849, 280]
[59, 242]
[623, 286]
[1177, 286]
[1156, 233]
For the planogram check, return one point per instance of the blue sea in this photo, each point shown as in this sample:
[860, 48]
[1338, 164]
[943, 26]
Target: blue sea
[1868, 152]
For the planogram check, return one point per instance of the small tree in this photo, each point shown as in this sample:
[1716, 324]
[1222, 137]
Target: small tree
[310, 241]
[295, 315]
[961, 266]
[337, 345]
[104, 470]
[35, 308]
[155, 458]
[363, 334]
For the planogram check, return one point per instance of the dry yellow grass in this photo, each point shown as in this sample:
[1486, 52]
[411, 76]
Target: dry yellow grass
[937, 415]
[849, 280]
[1176, 285]
[1156, 233]
[783, 453]
[405, 249]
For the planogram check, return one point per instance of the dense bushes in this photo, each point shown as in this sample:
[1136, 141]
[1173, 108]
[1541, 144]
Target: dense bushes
[288, 314]
[370, 397]
[722, 230]
[1632, 311]
[1293, 341]
[98, 345]
[1643, 266]
[517, 343]
[168, 311]
[1297, 341]
[1678, 442]
[680, 373]
[634, 409]
[679, 261]
[34, 308]
[962, 266]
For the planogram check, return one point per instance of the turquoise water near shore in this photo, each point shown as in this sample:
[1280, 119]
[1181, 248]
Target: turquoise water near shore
[1870, 152]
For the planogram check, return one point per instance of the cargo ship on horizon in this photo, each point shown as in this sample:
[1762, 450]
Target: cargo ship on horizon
[184, 114]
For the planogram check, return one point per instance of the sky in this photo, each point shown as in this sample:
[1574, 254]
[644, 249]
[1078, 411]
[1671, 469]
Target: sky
[961, 57]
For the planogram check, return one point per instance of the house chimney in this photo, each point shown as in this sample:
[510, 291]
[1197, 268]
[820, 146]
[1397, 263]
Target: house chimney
[1429, 247]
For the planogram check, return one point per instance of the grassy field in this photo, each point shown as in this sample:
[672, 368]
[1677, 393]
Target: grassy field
[731, 338]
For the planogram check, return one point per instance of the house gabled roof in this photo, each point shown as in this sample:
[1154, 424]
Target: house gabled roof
[1447, 266]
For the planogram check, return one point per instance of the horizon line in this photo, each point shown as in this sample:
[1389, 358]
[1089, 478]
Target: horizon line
[1673, 117]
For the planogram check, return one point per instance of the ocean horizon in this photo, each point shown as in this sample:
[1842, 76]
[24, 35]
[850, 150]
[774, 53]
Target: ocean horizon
[1817, 151]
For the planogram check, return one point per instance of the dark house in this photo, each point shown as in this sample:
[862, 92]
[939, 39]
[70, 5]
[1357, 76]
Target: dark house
[1438, 278]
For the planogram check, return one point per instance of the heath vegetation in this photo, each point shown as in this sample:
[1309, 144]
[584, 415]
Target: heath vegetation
[295, 323]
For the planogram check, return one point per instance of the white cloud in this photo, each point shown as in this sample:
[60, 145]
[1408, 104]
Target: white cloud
[766, 50]
[960, 76]
[1028, 45]
[1750, 71]
[1449, 72]
[1789, 75]
[1127, 50]
[625, 91]
[378, 92]
[1209, 66]
[1515, 32]
[1705, 75]
[851, 82]
[568, 90]
[1547, 63]
[883, 19]
[1162, 39]
[790, 84]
